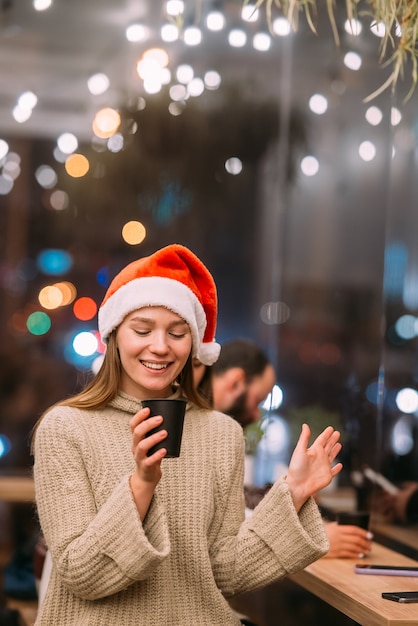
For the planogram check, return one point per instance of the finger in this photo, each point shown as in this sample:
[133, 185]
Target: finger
[336, 469]
[139, 417]
[324, 438]
[332, 454]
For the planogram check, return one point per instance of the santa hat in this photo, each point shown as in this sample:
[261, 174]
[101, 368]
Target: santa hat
[172, 277]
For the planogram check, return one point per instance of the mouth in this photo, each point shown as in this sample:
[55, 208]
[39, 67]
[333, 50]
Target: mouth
[155, 366]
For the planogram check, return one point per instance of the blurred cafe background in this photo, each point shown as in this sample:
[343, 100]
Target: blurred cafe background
[271, 152]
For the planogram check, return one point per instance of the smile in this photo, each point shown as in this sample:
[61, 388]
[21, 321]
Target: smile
[155, 366]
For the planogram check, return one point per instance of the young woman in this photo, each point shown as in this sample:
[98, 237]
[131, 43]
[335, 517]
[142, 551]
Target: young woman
[138, 539]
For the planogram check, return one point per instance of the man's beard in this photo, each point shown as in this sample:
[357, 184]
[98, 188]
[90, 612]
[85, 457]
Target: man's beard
[238, 410]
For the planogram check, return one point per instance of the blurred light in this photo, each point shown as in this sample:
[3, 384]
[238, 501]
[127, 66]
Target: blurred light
[27, 100]
[133, 233]
[274, 313]
[233, 166]
[237, 38]
[5, 445]
[98, 84]
[77, 165]
[68, 292]
[406, 326]
[196, 87]
[59, 200]
[249, 13]
[53, 261]
[50, 297]
[41, 5]
[215, 21]
[97, 364]
[38, 323]
[84, 308]
[276, 436]
[353, 27]
[4, 148]
[309, 166]
[85, 343]
[402, 437]
[318, 103]
[184, 74]
[152, 84]
[169, 32]
[102, 277]
[46, 176]
[378, 29]
[178, 92]
[329, 353]
[174, 7]
[176, 108]
[281, 26]
[11, 169]
[407, 400]
[374, 115]
[59, 156]
[372, 392]
[261, 42]
[192, 36]
[106, 122]
[395, 116]
[159, 55]
[135, 32]
[6, 184]
[21, 115]
[352, 60]
[274, 399]
[115, 143]
[212, 79]
[367, 151]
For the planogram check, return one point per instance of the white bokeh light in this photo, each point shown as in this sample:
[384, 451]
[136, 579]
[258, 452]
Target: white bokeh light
[407, 400]
[85, 343]
[367, 151]
[309, 166]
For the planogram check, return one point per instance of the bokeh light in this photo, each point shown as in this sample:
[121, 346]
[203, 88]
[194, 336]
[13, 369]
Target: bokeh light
[133, 233]
[77, 165]
[84, 308]
[38, 323]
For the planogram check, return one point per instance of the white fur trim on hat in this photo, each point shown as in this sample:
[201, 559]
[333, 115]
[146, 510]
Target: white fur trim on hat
[159, 291]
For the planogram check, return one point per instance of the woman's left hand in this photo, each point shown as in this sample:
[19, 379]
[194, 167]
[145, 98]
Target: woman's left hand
[310, 468]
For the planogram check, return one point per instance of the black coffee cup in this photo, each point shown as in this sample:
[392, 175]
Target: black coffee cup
[354, 518]
[172, 411]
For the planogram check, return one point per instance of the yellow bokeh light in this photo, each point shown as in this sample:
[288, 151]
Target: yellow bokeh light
[133, 233]
[106, 123]
[68, 292]
[77, 165]
[50, 297]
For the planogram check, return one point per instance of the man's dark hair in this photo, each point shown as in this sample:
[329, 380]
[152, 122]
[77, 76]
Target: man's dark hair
[242, 353]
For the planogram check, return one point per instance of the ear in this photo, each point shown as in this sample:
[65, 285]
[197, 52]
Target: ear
[234, 380]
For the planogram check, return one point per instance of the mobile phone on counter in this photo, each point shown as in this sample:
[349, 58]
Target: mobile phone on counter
[378, 479]
[405, 597]
[386, 570]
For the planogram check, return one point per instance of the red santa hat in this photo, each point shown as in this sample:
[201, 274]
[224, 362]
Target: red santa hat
[172, 277]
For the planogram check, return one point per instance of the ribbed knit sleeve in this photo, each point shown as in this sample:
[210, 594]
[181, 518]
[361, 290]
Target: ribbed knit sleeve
[87, 538]
[282, 540]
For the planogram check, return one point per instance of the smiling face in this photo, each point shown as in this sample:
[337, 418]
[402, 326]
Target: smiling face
[154, 345]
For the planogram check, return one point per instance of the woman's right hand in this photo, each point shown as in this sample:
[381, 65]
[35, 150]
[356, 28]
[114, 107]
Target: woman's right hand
[147, 473]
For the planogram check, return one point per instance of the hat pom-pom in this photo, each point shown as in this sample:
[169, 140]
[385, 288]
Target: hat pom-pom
[208, 353]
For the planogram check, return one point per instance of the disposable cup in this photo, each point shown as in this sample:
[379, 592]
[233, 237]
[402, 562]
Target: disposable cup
[354, 518]
[172, 411]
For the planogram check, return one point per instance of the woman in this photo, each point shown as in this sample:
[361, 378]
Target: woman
[138, 539]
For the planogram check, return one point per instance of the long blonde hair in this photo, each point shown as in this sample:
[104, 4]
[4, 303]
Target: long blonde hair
[106, 383]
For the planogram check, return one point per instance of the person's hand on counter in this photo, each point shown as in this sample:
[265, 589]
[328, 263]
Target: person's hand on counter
[350, 542]
[401, 507]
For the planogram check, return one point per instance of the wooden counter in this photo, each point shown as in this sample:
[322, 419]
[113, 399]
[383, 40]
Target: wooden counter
[359, 595]
[17, 489]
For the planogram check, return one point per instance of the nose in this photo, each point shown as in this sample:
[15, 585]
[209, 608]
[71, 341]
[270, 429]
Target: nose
[159, 343]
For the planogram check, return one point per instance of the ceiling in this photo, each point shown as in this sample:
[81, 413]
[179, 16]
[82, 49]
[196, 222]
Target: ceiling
[54, 52]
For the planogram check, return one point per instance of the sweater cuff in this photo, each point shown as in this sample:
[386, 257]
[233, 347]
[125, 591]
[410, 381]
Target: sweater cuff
[149, 543]
[278, 519]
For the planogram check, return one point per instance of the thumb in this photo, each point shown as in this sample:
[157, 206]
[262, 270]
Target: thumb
[304, 436]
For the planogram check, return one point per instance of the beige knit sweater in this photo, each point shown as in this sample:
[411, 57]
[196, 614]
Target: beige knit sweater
[195, 547]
